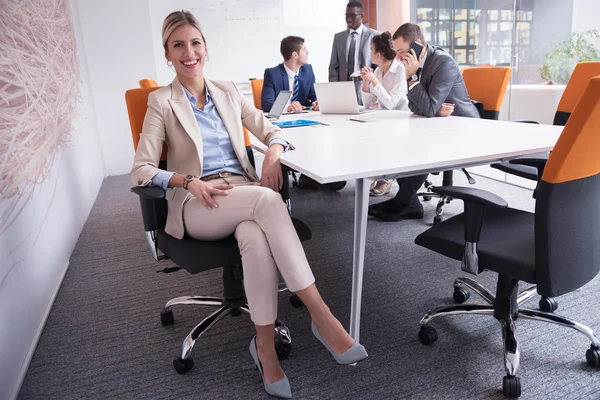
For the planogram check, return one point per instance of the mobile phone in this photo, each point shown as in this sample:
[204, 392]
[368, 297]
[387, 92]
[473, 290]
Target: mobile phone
[417, 47]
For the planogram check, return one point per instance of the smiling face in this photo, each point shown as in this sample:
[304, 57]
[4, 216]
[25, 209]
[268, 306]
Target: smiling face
[187, 51]
[401, 47]
[354, 17]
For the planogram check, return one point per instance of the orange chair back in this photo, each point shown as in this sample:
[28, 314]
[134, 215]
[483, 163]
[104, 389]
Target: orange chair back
[487, 85]
[575, 155]
[257, 86]
[137, 105]
[583, 72]
[148, 83]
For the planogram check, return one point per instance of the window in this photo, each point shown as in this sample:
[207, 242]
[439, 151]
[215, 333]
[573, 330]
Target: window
[477, 31]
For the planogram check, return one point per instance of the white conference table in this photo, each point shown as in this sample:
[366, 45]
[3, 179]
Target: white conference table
[395, 144]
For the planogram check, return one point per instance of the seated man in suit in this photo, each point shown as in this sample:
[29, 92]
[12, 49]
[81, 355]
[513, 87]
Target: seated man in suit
[435, 88]
[297, 75]
[294, 74]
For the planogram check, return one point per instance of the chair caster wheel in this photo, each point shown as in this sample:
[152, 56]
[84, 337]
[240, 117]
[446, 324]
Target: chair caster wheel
[548, 304]
[295, 301]
[183, 365]
[592, 357]
[428, 335]
[511, 386]
[426, 198]
[461, 295]
[437, 219]
[166, 318]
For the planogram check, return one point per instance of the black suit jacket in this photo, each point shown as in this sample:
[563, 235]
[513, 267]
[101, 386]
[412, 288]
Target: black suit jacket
[440, 82]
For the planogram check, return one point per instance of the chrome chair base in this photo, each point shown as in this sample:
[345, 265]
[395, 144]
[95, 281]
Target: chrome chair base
[461, 295]
[283, 338]
[512, 355]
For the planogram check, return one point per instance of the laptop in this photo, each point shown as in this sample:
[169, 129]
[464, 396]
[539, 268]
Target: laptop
[279, 105]
[338, 98]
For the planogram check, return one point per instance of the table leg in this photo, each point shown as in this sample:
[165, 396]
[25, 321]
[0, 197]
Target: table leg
[361, 206]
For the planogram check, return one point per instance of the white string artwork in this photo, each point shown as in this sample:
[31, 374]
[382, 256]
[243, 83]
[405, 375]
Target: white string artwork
[39, 92]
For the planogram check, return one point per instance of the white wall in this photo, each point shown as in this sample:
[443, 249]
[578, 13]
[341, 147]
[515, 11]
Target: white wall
[36, 248]
[391, 14]
[118, 48]
[585, 16]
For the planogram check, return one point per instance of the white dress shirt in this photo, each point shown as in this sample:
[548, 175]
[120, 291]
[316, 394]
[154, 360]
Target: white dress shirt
[357, 37]
[391, 89]
[291, 76]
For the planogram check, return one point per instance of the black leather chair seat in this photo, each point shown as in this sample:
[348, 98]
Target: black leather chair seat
[196, 256]
[506, 245]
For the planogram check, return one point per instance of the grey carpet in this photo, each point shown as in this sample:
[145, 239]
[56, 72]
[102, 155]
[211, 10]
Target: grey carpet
[103, 338]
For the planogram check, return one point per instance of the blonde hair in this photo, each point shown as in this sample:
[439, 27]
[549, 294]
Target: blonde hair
[178, 19]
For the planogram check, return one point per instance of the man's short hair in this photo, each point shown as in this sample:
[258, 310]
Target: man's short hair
[289, 45]
[409, 32]
[355, 3]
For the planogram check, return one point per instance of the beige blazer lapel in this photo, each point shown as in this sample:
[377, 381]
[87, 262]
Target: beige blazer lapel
[232, 121]
[183, 111]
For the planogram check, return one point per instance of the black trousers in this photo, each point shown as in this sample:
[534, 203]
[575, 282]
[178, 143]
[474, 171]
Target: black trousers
[409, 186]
[407, 194]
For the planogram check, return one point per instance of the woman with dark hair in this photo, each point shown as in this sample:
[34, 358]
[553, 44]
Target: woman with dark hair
[384, 88]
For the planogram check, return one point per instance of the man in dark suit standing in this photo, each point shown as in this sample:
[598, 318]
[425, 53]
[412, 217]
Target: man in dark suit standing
[293, 74]
[435, 88]
[351, 49]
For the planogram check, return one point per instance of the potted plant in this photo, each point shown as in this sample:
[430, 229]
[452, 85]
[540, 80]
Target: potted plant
[561, 60]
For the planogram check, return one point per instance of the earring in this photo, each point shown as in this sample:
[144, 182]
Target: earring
[169, 64]
[206, 57]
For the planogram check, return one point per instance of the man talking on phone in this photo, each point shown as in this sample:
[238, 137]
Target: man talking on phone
[435, 88]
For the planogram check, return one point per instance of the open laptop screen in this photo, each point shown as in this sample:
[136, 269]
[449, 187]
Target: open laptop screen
[279, 104]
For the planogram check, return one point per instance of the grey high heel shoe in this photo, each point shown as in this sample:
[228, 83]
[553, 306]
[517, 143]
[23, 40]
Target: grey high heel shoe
[281, 388]
[354, 354]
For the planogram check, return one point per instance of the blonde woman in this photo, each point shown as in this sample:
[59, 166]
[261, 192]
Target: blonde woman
[218, 193]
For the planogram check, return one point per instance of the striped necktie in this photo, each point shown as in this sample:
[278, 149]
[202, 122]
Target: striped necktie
[296, 89]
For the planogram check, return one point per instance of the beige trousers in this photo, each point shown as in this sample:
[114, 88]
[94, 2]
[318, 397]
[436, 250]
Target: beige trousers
[268, 242]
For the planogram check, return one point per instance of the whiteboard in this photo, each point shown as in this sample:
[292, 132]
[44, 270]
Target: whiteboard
[243, 36]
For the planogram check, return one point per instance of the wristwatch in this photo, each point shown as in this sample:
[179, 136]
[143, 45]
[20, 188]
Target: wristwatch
[186, 180]
[413, 78]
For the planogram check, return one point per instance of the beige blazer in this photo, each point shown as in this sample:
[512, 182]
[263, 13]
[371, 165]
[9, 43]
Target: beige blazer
[170, 119]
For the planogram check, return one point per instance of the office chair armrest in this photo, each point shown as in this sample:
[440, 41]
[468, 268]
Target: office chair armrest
[149, 192]
[148, 197]
[528, 122]
[476, 201]
[471, 195]
[538, 163]
[285, 185]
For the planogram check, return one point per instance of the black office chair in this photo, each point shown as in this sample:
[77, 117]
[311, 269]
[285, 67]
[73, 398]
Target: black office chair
[196, 256]
[534, 168]
[486, 87]
[555, 248]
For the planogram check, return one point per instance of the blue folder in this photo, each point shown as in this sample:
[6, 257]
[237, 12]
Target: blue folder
[295, 123]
